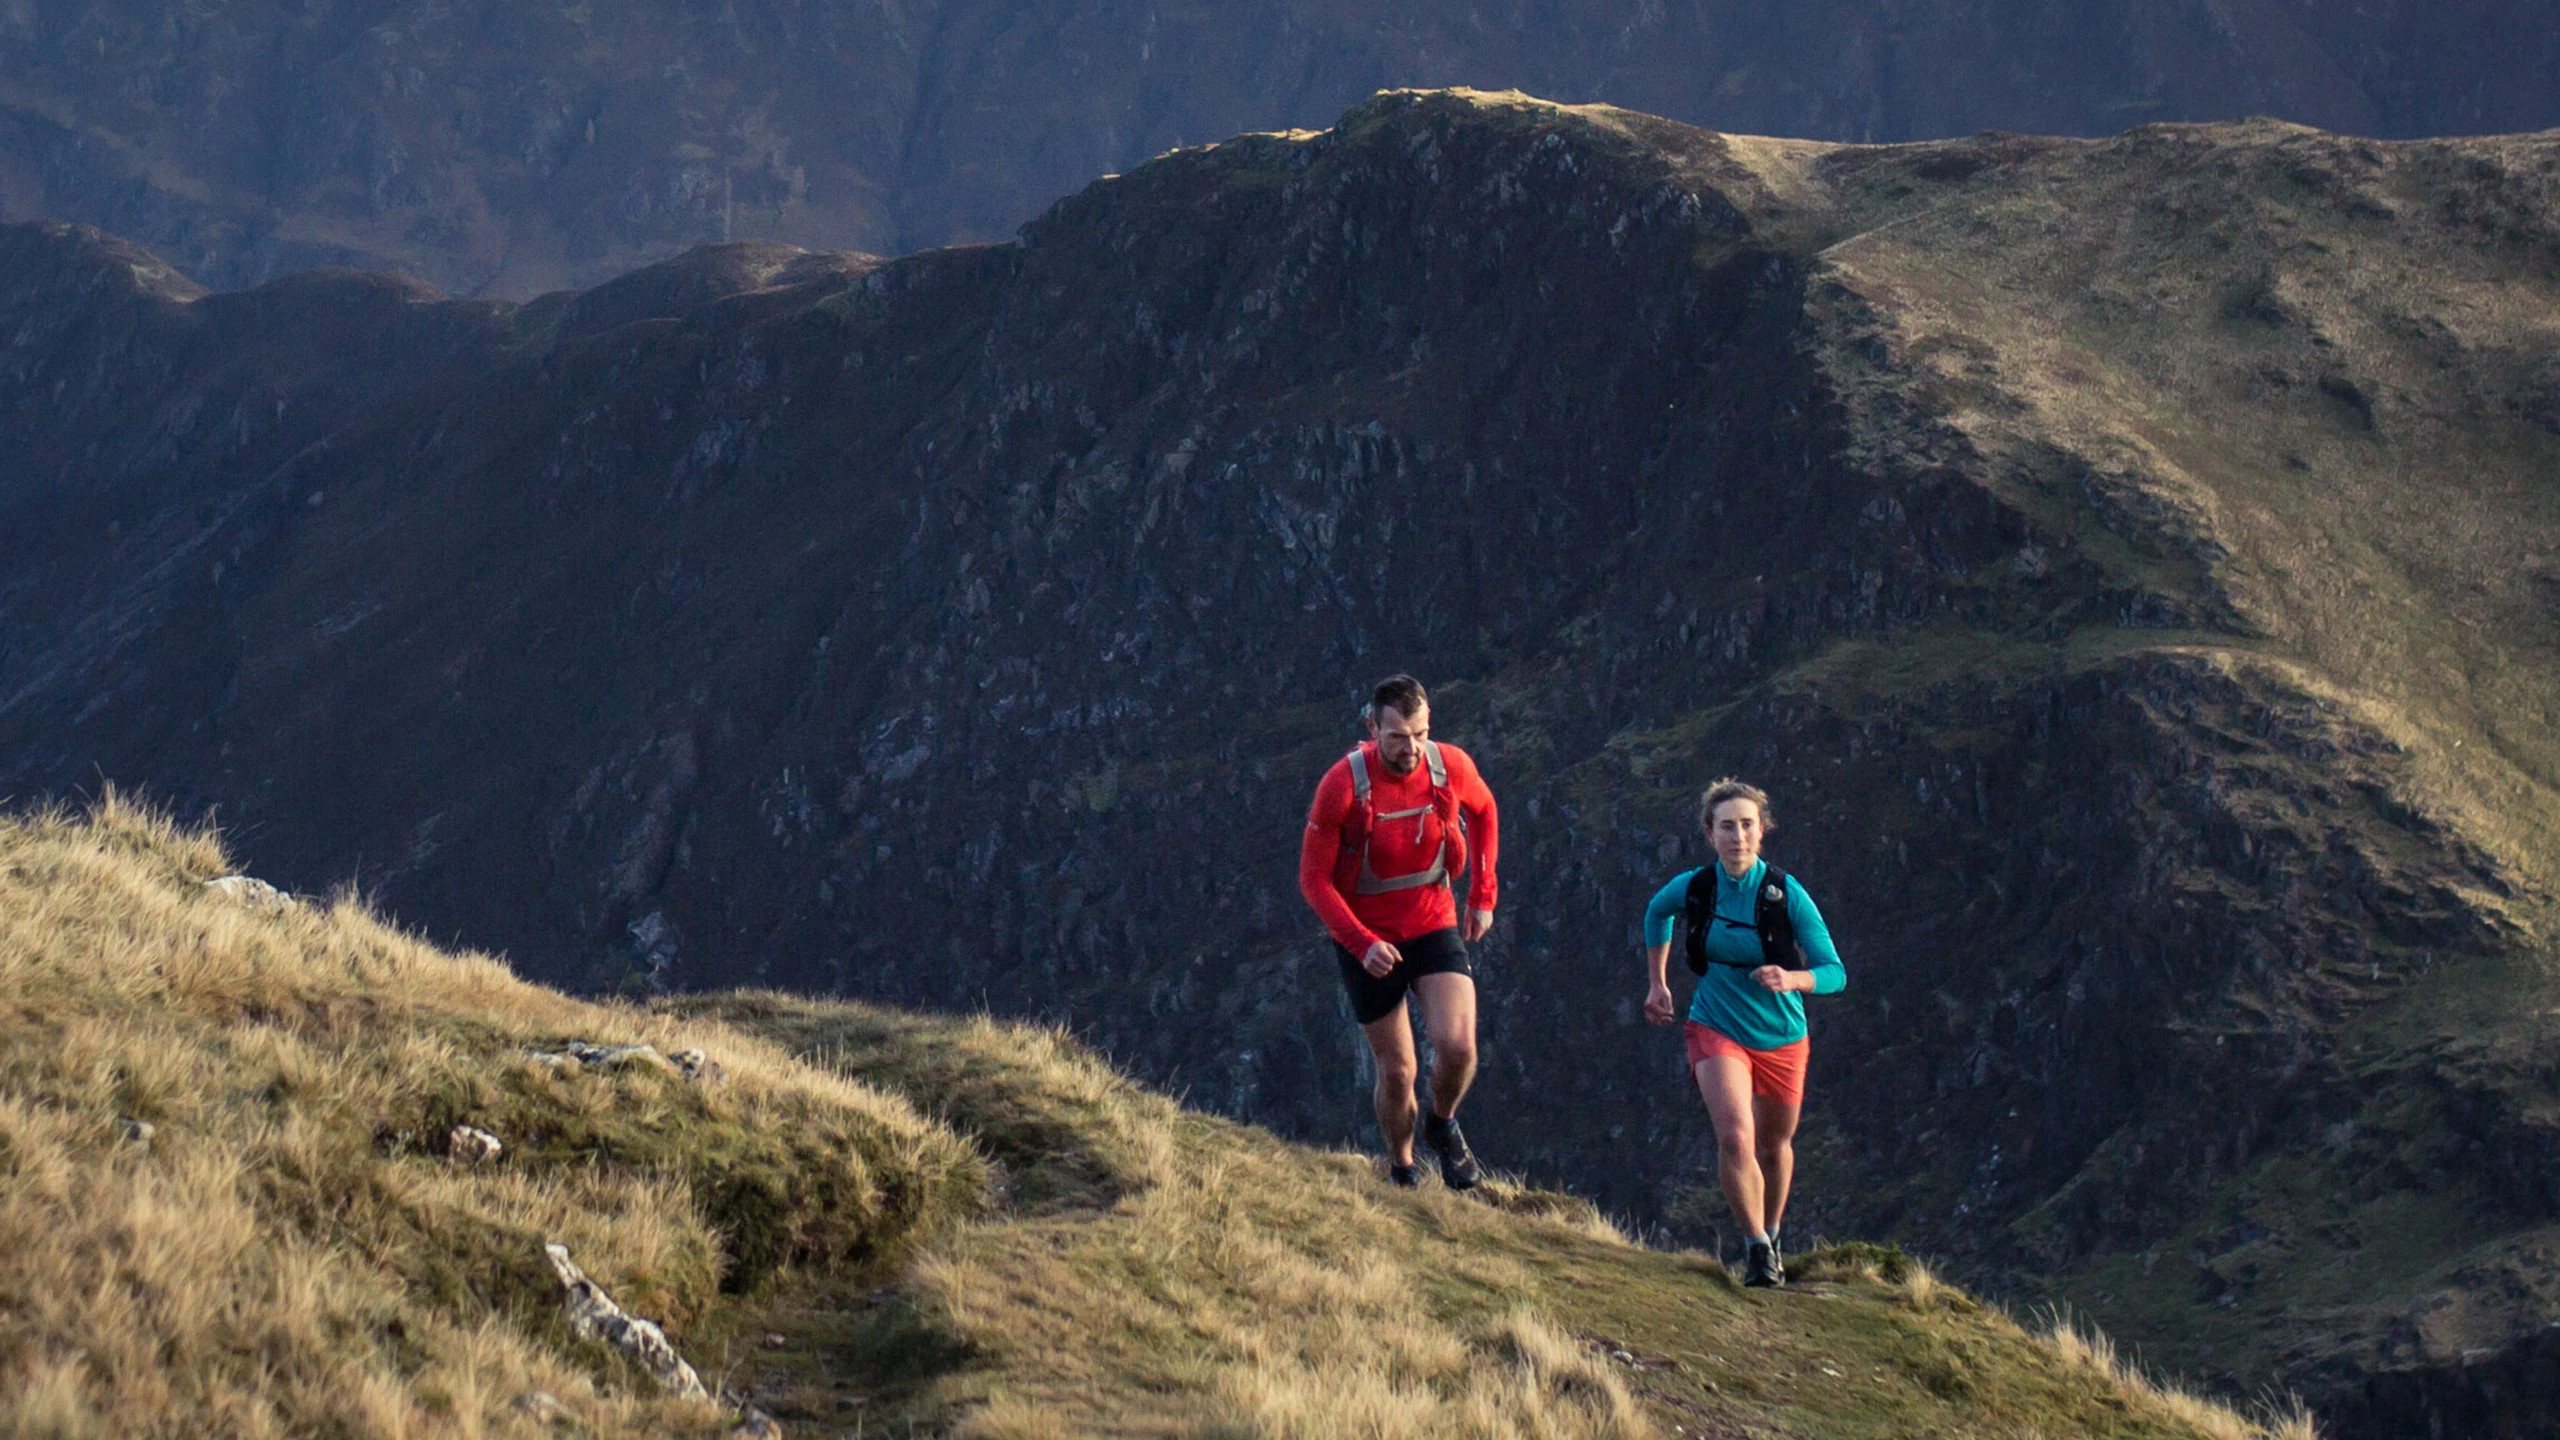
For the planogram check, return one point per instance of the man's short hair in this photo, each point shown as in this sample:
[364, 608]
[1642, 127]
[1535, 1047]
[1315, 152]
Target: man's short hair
[1401, 693]
[1729, 788]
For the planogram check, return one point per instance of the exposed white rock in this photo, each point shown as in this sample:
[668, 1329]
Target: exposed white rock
[255, 893]
[471, 1145]
[594, 1316]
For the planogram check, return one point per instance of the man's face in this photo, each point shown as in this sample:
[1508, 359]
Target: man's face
[1400, 736]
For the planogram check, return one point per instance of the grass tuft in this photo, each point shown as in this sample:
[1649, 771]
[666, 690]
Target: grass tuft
[2087, 1349]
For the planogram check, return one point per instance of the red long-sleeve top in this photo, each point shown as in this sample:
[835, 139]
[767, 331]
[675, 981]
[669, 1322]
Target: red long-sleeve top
[1329, 855]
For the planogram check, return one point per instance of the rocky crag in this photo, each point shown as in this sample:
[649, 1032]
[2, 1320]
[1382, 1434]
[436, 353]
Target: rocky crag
[2131, 564]
[506, 150]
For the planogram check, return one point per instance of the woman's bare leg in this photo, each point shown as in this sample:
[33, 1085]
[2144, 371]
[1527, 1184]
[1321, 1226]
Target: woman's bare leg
[1773, 1124]
[1724, 1082]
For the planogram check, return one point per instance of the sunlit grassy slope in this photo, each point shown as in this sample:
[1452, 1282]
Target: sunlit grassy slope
[1163, 1272]
[285, 1249]
[286, 1252]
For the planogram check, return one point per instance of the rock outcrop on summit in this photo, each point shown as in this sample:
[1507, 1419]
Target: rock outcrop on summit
[2130, 563]
[507, 150]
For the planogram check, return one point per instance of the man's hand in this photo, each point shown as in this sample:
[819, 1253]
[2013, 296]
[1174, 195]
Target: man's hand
[1657, 1004]
[1382, 957]
[1778, 979]
[1479, 923]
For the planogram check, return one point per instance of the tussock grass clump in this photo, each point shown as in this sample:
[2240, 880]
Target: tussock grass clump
[2086, 1348]
[1066, 1130]
[1859, 1260]
[1888, 1266]
[224, 1202]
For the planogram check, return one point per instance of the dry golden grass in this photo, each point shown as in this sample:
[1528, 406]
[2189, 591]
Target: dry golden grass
[2087, 1348]
[1248, 1302]
[1163, 1273]
[289, 1254]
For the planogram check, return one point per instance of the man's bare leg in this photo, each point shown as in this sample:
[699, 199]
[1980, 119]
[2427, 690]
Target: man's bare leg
[1391, 1047]
[1449, 1008]
[1724, 1082]
[1774, 1131]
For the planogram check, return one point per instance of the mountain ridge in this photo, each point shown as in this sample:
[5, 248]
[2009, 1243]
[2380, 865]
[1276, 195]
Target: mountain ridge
[508, 152]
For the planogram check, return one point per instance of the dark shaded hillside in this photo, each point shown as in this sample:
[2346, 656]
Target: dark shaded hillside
[504, 150]
[2129, 562]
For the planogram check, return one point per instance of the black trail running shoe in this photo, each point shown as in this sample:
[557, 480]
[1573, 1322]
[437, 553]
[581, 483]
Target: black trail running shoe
[1760, 1267]
[1458, 1167]
[1404, 1177]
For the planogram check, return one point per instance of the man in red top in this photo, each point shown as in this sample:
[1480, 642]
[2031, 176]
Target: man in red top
[1393, 822]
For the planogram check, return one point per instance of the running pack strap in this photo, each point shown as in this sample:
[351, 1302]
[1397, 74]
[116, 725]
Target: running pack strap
[1370, 882]
[1769, 917]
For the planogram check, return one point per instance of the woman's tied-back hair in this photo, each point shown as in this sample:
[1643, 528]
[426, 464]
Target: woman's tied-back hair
[1729, 788]
[1401, 693]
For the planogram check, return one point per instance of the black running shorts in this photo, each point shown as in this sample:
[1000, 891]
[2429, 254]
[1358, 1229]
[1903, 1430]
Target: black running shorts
[1375, 997]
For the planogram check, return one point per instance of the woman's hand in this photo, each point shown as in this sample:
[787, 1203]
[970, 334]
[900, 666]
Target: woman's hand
[1657, 1003]
[1778, 979]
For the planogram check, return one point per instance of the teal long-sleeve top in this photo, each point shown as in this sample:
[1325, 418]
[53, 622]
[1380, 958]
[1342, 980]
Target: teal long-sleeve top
[1727, 999]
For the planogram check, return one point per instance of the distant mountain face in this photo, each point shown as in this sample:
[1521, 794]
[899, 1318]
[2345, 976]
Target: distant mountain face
[2131, 565]
[504, 150]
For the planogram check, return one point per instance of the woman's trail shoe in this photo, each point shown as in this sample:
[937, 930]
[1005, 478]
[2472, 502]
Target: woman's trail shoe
[1404, 1177]
[1760, 1265]
[1458, 1168]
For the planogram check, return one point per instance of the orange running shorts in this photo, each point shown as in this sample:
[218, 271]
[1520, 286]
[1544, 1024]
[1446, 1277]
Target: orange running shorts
[1775, 1074]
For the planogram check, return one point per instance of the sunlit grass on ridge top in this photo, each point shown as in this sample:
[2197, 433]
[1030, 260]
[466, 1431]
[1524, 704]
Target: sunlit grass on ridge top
[289, 1253]
[876, 1221]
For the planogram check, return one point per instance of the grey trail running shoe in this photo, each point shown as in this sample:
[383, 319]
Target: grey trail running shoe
[1458, 1167]
[1760, 1267]
[1404, 1177]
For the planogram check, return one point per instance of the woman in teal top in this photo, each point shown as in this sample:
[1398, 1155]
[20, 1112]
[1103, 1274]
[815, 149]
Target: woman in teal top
[1746, 1034]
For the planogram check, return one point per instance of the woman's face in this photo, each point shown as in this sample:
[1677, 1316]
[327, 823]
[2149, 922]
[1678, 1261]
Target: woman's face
[1734, 829]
